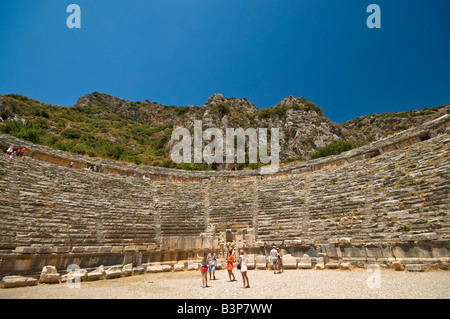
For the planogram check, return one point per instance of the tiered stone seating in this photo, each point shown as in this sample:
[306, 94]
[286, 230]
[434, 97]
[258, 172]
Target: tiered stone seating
[232, 205]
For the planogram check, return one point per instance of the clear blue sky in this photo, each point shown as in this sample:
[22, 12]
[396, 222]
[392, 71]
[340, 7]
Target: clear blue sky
[179, 52]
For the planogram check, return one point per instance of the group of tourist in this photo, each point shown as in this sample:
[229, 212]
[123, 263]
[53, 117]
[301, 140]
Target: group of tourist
[208, 266]
[277, 260]
[14, 153]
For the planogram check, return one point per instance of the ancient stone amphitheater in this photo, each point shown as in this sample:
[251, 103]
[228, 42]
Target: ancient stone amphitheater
[382, 203]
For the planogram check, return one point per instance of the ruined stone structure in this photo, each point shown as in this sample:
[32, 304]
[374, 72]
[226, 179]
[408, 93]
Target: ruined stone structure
[381, 203]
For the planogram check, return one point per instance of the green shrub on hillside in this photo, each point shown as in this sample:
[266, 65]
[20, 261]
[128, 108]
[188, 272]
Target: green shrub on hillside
[334, 148]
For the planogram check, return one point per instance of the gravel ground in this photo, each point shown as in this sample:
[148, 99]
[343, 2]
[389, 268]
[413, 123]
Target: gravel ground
[292, 284]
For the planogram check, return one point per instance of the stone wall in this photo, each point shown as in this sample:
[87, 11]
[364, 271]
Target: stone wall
[391, 193]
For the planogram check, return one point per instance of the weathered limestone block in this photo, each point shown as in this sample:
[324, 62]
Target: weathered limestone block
[192, 266]
[117, 249]
[332, 265]
[261, 262]
[345, 240]
[320, 264]
[219, 263]
[167, 268]
[25, 250]
[130, 248]
[91, 249]
[154, 268]
[305, 262]
[346, 266]
[49, 275]
[44, 250]
[78, 249]
[289, 262]
[250, 259]
[113, 272]
[324, 256]
[61, 249]
[75, 276]
[298, 242]
[249, 239]
[17, 281]
[178, 267]
[97, 274]
[406, 237]
[239, 241]
[127, 270]
[169, 243]
[425, 236]
[415, 267]
[398, 265]
[139, 270]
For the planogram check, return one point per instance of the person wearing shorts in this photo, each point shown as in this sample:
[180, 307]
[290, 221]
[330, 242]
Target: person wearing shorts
[212, 264]
[204, 270]
[243, 263]
[274, 257]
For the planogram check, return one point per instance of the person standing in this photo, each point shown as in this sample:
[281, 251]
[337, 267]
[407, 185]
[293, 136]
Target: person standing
[280, 261]
[10, 149]
[230, 260]
[212, 264]
[243, 264]
[274, 257]
[203, 270]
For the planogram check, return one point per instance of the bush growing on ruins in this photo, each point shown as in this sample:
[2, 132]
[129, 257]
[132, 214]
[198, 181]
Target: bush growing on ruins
[334, 148]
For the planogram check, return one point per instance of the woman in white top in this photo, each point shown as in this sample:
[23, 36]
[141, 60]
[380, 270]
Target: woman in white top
[243, 265]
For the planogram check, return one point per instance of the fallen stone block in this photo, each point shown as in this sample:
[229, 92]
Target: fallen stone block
[192, 266]
[332, 265]
[178, 267]
[127, 270]
[324, 256]
[289, 262]
[415, 267]
[17, 281]
[49, 275]
[261, 262]
[219, 264]
[139, 270]
[305, 262]
[75, 276]
[167, 268]
[320, 264]
[250, 260]
[154, 268]
[113, 272]
[398, 265]
[97, 274]
[346, 266]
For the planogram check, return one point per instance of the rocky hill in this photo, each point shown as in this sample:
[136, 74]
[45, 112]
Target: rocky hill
[101, 125]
